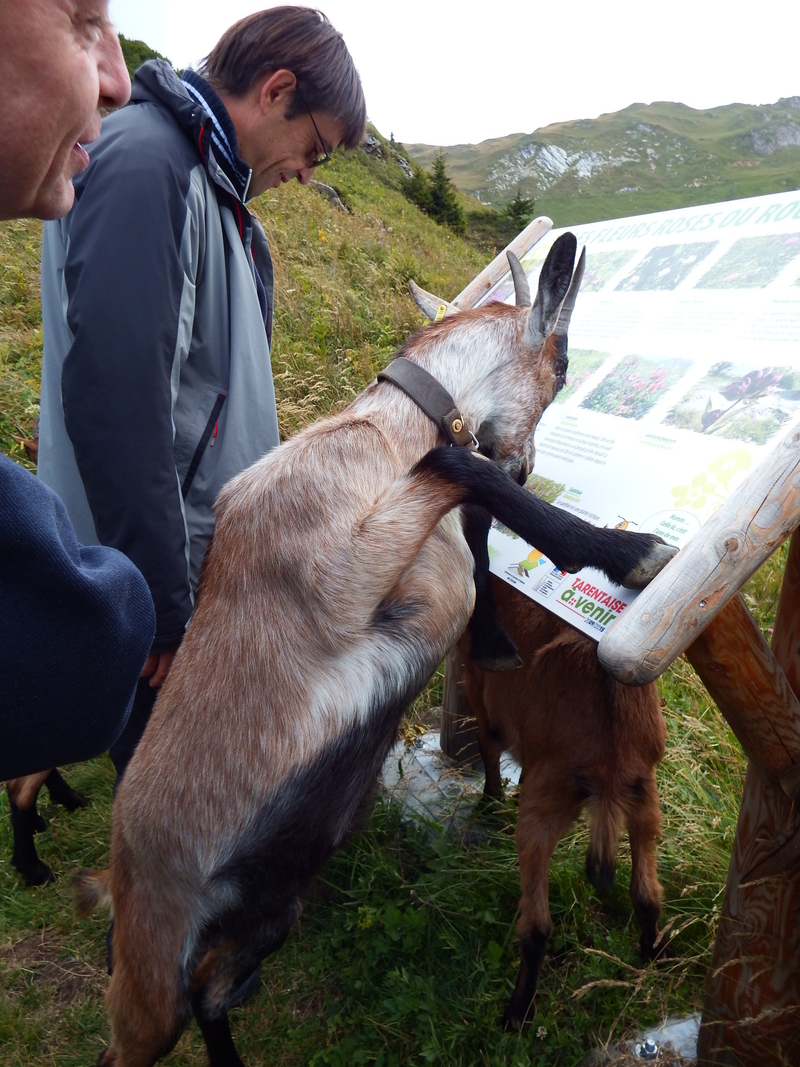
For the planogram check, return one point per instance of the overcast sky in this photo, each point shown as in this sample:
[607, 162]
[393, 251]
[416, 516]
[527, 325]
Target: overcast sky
[443, 72]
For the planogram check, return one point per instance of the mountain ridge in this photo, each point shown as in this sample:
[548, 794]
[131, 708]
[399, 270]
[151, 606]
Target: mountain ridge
[646, 157]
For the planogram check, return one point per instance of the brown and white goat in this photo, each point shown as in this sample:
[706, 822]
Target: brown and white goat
[26, 821]
[337, 578]
[583, 740]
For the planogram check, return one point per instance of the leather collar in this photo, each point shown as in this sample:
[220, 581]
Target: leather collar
[431, 397]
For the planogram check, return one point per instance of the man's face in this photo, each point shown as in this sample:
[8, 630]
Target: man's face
[276, 147]
[60, 61]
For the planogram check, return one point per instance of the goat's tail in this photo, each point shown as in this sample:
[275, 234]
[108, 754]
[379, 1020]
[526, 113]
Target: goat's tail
[92, 890]
[601, 856]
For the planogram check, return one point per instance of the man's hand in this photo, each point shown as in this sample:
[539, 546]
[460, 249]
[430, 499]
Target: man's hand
[156, 667]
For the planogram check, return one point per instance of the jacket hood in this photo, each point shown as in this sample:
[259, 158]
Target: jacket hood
[209, 127]
[155, 81]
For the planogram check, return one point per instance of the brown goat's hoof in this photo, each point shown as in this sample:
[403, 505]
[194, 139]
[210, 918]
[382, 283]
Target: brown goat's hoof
[646, 570]
[515, 1019]
[37, 873]
[658, 951]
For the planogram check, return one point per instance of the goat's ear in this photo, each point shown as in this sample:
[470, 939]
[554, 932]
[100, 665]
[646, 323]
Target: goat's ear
[429, 304]
[554, 281]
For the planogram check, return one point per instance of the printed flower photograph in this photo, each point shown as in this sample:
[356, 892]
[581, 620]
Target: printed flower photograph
[752, 262]
[583, 362]
[635, 386]
[601, 267]
[665, 267]
[739, 403]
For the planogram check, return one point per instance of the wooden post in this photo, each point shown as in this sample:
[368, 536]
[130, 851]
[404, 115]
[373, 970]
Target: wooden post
[751, 1015]
[522, 243]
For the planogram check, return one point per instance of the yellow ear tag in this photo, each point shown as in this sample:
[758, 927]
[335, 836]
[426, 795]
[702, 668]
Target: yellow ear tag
[441, 311]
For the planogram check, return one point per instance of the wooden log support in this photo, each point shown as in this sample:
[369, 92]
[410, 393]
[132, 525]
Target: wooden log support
[492, 274]
[751, 1015]
[694, 587]
[751, 690]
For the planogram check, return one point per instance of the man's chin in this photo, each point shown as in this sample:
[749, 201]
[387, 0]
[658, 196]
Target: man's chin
[55, 202]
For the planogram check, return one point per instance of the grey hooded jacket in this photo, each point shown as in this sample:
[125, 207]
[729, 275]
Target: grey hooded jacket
[157, 309]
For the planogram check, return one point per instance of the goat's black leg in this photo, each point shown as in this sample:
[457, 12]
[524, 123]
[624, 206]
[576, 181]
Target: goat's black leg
[628, 558]
[216, 1033]
[490, 647]
[62, 793]
[24, 824]
[520, 1007]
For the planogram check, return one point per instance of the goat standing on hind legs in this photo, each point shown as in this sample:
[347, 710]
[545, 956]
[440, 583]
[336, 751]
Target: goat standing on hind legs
[337, 578]
[582, 739]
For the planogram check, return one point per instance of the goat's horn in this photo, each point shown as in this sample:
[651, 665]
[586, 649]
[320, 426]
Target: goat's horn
[429, 304]
[522, 291]
[565, 314]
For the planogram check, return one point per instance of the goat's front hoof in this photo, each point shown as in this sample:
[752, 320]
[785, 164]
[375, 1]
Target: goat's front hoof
[646, 570]
[37, 873]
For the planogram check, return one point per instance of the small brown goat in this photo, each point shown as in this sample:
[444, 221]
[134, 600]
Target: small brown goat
[337, 578]
[582, 740]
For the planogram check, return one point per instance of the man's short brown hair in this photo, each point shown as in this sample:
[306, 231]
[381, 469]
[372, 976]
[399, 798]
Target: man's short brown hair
[299, 39]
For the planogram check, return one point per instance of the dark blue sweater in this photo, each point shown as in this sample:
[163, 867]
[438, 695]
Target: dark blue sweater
[77, 624]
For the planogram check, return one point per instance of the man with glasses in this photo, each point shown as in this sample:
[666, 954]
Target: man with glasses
[157, 300]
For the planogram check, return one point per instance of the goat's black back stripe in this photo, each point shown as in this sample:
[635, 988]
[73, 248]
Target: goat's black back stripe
[202, 444]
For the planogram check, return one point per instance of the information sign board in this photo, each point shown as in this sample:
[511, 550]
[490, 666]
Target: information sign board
[684, 372]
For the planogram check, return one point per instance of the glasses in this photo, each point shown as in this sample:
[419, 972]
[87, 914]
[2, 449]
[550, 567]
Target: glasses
[325, 156]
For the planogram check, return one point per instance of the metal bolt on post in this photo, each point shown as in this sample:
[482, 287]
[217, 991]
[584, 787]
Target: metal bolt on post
[647, 1050]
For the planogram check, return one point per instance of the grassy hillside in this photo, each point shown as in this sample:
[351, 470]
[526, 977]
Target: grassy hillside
[644, 158]
[406, 953]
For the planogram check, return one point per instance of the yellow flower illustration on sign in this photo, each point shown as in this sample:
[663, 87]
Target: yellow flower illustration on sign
[714, 482]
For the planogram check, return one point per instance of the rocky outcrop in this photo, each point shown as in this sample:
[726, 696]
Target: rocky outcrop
[771, 138]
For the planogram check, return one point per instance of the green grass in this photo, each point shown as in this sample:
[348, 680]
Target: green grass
[406, 952]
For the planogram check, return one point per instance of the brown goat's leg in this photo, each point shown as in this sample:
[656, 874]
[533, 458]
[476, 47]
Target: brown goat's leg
[489, 743]
[644, 827]
[545, 815]
[61, 792]
[601, 856]
[25, 822]
[144, 1024]
[147, 999]
[491, 752]
[230, 973]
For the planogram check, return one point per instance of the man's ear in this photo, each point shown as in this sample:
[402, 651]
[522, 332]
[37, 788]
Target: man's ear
[276, 88]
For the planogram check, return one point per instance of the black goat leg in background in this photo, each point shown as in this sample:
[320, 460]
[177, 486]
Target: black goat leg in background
[490, 647]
